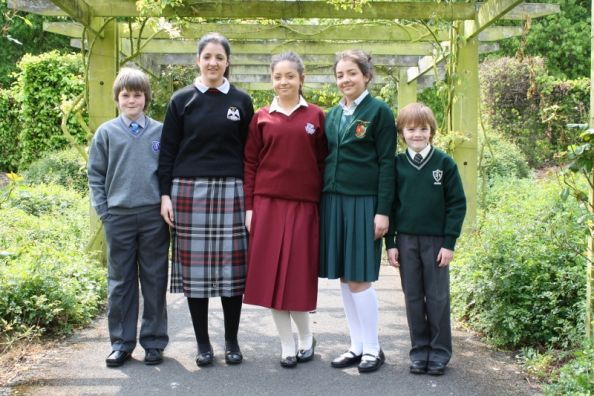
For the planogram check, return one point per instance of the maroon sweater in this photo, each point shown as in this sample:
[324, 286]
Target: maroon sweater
[284, 155]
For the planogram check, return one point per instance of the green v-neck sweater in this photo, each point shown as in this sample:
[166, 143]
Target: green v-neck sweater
[429, 199]
[361, 153]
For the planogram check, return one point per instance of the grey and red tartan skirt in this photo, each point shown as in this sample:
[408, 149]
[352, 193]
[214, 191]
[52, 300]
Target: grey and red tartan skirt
[209, 249]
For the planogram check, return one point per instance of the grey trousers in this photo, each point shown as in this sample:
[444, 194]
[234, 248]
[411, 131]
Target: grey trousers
[138, 245]
[427, 296]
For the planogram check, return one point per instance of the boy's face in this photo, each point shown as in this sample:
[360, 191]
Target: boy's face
[131, 103]
[417, 137]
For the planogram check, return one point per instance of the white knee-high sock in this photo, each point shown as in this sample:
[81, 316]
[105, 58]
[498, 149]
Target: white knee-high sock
[303, 322]
[367, 310]
[282, 320]
[353, 320]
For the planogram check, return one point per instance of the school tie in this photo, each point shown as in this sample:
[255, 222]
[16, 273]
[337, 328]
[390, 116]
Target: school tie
[134, 128]
[418, 158]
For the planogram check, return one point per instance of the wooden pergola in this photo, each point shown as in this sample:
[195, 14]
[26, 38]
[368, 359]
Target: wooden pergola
[406, 43]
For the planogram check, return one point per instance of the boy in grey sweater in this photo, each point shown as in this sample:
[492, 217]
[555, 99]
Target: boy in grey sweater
[122, 170]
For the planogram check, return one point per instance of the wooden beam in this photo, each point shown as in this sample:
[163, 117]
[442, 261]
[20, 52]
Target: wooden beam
[111, 8]
[488, 13]
[496, 33]
[301, 47]
[77, 10]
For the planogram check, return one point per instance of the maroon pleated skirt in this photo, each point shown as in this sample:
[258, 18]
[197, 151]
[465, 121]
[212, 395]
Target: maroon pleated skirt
[283, 255]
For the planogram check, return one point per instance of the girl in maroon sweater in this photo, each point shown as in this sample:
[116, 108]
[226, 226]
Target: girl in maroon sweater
[283, 168]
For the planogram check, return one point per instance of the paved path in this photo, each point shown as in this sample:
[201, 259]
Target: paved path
[77, 367]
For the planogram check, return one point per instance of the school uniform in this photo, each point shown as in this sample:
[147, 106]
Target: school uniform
[358, 184]
[122, 172]
[201, 168]
[428, 214]
[283, 166]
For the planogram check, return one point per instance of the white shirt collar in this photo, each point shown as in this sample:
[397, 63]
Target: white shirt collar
[140, 121]
[224, 87]
[274, 106]
[423, 152]
[348, 110]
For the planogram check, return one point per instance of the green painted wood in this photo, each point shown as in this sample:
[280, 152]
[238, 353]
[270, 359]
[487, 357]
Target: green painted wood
[103, 67]
[76, 9]
[532, 10]
[282, 9]
[301, 47]
[464, 119]
[488, 13]
[407, 92]
[496, 33]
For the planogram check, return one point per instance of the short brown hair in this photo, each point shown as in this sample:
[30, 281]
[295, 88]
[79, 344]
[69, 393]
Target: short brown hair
[416, 114]
[132, 79]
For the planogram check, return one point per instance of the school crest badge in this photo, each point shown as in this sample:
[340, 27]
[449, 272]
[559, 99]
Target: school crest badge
[437, 175]
[233, 114]
[156, 146]
[310, 128]
[361, 129]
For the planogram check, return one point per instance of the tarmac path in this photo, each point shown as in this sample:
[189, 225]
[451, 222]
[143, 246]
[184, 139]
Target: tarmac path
[77, 366]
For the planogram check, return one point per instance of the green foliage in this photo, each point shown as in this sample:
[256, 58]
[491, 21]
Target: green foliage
[511, 104]
[48, 285]
[501, 158]
[431, 97]
[325, 97]
[66, 168]
[173, 77]
[23, 34]
[262, 98]
[567, 54]
[518, 279]
[44, 82]
[9, 132]
[577, 376]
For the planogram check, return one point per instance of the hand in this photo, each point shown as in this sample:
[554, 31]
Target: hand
[444, 257]
[248, 219]
[381, 223]
[167, 210]
[393, 257]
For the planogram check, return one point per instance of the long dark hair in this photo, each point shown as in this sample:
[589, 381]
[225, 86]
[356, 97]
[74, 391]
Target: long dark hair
[216, 38]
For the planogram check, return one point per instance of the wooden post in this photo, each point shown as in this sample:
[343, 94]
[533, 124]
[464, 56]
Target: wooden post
[103, 67]
[407, 92]
[464, 118]
[590, 267]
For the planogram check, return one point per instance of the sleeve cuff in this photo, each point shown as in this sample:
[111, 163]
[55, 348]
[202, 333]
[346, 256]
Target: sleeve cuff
[449, 242]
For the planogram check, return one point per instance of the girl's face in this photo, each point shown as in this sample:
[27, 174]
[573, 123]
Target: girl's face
[350, 80]
[212, 62]
[417, 137]
[286, 81]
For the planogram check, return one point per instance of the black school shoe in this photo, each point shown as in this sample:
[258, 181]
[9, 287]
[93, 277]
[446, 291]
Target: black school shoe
[205, 358]
[371, 365]
[153, 356]
[117, 358]
[435, 368]
[345, 360]
[233, 354]
[418, 367]
[305, 355]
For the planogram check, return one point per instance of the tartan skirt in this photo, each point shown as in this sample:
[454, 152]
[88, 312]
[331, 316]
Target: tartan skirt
[209, 241]
[347, 246]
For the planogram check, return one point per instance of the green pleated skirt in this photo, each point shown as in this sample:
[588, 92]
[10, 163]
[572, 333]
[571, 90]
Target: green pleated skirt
[347, 246]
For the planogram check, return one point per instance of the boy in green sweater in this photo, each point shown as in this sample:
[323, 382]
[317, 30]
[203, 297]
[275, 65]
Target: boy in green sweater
[426, 220]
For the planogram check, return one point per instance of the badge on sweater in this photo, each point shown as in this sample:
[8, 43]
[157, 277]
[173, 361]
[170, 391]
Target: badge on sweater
[233, 114]
[310, 128]
[437, 175]
[155, 145]
[361, 129]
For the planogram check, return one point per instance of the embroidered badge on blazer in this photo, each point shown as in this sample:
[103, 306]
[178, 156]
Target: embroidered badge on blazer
[437, 175]
[361, 128]
[233, 114]
[310, 128]
[155, 145]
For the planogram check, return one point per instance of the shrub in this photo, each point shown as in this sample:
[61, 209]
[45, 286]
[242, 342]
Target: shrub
[511, 103]
[43, 83]
[501, 158]
[9, 132]
[577, 376]
[48, 284]
[66, 168]
[519, 278]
